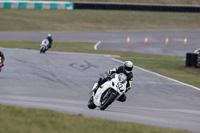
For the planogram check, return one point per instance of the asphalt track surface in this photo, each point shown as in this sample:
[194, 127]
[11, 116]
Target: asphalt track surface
[62, 81]
[117, 40]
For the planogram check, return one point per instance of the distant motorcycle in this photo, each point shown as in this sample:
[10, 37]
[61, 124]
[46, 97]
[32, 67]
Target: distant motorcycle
[1, 64]
[44, 46]
[108, 92]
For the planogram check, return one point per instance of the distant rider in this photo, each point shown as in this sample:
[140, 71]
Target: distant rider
[2, 58]
[49, 38]
[127, 70]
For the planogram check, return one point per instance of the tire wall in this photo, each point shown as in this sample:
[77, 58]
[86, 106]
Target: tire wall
[192, 60]
[56, 5]
[136, 7]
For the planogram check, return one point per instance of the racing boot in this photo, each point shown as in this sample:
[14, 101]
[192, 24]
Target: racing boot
[98, 85]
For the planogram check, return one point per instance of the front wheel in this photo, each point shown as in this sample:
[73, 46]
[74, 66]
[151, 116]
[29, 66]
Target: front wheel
[91, 104]
[107, 101]
[42, 50]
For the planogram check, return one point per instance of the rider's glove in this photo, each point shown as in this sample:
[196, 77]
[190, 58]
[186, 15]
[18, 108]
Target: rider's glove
[109, 77]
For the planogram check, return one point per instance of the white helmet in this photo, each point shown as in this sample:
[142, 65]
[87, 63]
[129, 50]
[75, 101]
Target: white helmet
[128, 66]
[49, 34]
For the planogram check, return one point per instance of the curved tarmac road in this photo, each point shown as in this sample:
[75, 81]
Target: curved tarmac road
[62, 81]
[117, 40]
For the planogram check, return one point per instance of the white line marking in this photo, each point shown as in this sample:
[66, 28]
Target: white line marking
[157, 83]
[161, 75]
[194, 112]
[96, 45]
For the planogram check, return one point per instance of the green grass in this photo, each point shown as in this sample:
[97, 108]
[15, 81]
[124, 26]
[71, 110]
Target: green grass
[21, 120]
[170, 66]
[94, 20]
[57, 46]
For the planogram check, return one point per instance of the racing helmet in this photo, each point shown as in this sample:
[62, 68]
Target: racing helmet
[49, 34]
[128, 66]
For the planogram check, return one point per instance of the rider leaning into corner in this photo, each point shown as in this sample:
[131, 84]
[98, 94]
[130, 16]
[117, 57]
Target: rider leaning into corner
[2, 58]
[126, 68]
[49, 38]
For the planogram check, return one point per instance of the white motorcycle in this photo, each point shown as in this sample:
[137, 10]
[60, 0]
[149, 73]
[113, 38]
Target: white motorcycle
[108, 92]
[44, 46]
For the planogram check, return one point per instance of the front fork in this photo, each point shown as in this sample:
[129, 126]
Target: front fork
[108, 93]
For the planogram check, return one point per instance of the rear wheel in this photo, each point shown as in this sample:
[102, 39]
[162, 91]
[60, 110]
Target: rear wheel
[91, 104]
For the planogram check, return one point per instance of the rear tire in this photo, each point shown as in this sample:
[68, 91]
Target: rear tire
[108, 101]
[91, 104]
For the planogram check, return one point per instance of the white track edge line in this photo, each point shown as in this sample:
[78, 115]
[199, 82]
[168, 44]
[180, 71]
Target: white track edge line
[161, 75]
[96, 45]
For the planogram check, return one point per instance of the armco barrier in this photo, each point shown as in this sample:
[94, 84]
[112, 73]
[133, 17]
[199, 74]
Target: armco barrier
[137, 7]
[37, 5]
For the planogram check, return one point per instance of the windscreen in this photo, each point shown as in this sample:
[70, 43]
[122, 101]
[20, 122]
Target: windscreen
[122, 77]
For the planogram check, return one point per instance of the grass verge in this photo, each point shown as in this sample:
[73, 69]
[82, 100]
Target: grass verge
[170, 66]
[21, 120]
[94, 20]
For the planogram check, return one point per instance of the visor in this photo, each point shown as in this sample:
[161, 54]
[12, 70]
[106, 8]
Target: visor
[128, 68]
[127, 71]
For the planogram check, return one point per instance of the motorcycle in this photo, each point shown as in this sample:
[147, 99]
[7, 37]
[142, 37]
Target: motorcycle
[108, 92]
[1, 64]
[44, 46]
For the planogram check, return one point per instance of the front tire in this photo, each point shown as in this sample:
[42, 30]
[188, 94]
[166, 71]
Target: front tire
[108, 101]
[91, 104]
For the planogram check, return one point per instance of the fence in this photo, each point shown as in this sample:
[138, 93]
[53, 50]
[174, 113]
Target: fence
[94, 6]
[136, 7]
[37, 5]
